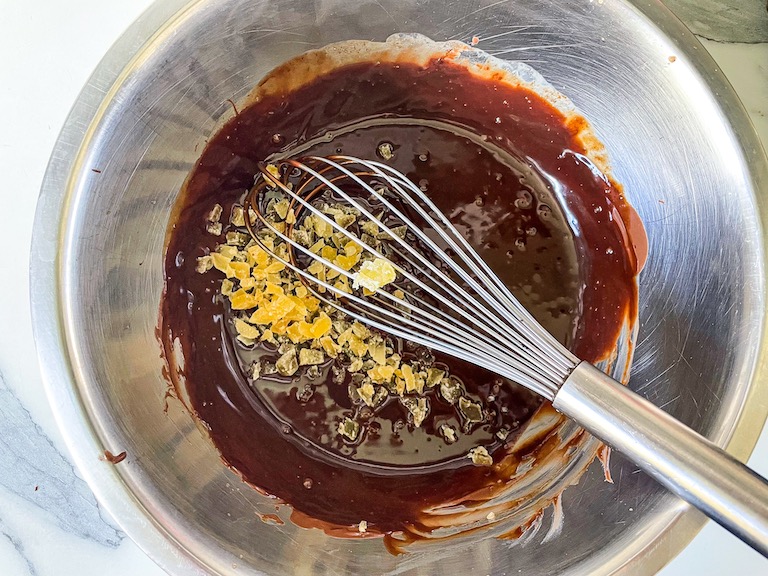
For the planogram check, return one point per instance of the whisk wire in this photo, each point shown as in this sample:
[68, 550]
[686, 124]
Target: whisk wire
[438, 316]
[500, 333]
[468, 254]
[516, 313]
[462, 306]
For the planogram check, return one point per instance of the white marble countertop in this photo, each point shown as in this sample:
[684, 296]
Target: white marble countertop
[50, 523]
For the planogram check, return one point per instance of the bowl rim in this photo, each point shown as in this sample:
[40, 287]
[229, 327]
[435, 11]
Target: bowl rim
[680, 523]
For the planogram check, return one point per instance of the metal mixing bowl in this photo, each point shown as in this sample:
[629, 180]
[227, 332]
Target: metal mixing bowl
[678, 138]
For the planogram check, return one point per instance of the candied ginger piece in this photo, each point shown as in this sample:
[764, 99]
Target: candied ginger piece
[349, 428]
[309, 357]
[329, 346]
[257, 255]
[287, 364]
[272, 288]
[378, 351]
[412, 382]
[274, 171]
[318, 328]
[418, 407]
[281, 306]
[351, 248]
[357, 346]
[294, 332]
[246, 330]
[220, 262]
[347, 262]
[344, 220]
[241, 270]
[275, 267]
[373, 274]
[381, 374]
[480, 456]
[204, 263]
[243, 300]
[237, 218]
[329, 253]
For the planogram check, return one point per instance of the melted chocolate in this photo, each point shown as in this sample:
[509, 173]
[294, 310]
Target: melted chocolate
[508, 170]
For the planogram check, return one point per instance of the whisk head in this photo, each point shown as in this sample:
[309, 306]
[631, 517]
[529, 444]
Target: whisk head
[444, 296]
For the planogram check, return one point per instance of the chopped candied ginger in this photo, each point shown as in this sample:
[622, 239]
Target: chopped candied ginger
[480, 456]
[274, 171]
[244, 300]
[229, 252]
[349, 428]
[329, 346]
[294, 332]
[448, 433]
[257, 256]
[347, 262]
[418, 407]
[275, 267]
[378, 351]
[342, 284]
[413, 382]
[351, 248]
[241, 270]
[434, 376]
[318, 328]
[366, 393]
[281, 208]
[221, 262]
[329, 253]
[374, 274]
[270, 303]
[369, 227]
[287, 364]
[237, 218]
[309, 357]
[246, 330]
[357, 345]
[322, 228]
[277, 309]
[279, 327]
[215, 214]
[317, 270]
[381, 374]
[344, 220]
[204, 263]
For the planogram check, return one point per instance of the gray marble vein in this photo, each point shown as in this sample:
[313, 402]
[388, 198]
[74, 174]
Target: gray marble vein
[724, 20]
[18, 545]
[33, 469]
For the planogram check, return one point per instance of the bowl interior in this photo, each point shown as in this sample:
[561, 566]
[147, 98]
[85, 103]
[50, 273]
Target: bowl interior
[701, 293]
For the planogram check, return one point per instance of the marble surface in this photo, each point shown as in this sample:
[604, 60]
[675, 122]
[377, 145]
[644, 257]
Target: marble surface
[50, 523]
[724, 20]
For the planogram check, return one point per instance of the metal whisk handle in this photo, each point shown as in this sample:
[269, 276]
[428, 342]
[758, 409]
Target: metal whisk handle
[682, 460]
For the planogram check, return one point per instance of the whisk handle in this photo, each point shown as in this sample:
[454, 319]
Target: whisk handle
[682, 460]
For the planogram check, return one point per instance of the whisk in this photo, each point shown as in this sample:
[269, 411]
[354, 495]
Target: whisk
[448, 299]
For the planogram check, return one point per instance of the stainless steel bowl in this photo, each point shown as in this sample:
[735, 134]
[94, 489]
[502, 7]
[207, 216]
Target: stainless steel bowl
[678, 138]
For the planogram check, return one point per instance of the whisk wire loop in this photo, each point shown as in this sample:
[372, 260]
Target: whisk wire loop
[462, 308]
[494, 359]
[502, 327]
